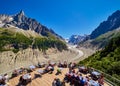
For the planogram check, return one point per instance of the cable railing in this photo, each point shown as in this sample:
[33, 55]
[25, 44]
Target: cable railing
[108, 78]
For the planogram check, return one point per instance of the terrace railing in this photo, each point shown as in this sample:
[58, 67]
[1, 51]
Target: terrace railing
[109, 79]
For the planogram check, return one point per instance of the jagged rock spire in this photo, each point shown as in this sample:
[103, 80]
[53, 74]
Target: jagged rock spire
[21, 13]
[20, 16]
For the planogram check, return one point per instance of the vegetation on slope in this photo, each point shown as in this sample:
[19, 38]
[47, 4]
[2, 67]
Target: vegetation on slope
[15, 41]
[45, 43]
[106, 60]
[101, 41]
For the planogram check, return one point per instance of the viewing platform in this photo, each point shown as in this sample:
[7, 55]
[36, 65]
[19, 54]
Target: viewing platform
[38, 78]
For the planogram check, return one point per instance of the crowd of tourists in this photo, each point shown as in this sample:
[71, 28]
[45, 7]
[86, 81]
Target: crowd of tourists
[73, 77]
[76, 78]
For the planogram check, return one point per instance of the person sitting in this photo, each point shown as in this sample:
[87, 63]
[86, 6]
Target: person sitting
[46, 70]
[29, 77]
[39, 65]
[20, 80]
[82, 82]
[70, 65]
[66, 78]
[54, 82]
[15, 73]
[77, 82]
[58, 82]
[65, 64]
[59, 71]
[6, 78]
[63, 83]
[2, 81]
[74, 65]
[88, 82]
[59, 64]
[20, 71]
[101, 80]
[52, 64]
[73, 71]
[24, 80]
[51, 69]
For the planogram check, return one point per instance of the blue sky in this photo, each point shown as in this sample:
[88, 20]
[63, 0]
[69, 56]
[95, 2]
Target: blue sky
[65, 17]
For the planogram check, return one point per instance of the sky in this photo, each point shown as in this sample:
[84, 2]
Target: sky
[65, 17]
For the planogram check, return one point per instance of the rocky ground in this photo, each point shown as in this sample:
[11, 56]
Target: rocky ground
[87, 52]
[10, 61]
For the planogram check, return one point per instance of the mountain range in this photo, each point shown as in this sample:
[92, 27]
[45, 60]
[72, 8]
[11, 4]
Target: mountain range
[21, 21]
[20, 32]
[103, 33]
[110, 24]
[75, 39]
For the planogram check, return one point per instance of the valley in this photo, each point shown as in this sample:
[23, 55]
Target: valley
[24, 42]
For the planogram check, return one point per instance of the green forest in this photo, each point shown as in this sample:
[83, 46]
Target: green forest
[19, 41]
[106, 60]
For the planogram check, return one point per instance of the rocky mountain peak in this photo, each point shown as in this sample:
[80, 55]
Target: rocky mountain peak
[21, 13]
[20, 20]
[110, 24]
[20, 17]
[75, 39]
[114, 16]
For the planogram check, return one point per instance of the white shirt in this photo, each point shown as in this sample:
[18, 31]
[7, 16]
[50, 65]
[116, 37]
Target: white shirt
[80, 77]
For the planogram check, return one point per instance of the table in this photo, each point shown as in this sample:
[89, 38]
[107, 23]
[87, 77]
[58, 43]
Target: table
[95, 73]
[26, 76]
[40, 71]
[32, 67]
[94, 83]
[82, 67]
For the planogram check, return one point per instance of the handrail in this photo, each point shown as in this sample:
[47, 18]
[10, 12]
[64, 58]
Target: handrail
[109, 82]
[112, 80]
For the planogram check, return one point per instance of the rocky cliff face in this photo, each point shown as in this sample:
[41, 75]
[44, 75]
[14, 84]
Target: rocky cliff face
[110, 24]
[10, 60]
[21, 21]
[24, 58]
[101, 41]
[103, 33]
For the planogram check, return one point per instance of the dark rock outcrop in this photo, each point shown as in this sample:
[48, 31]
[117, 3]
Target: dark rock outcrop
[112, 23]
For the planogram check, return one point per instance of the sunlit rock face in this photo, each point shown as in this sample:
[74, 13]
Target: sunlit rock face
[21, 21]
